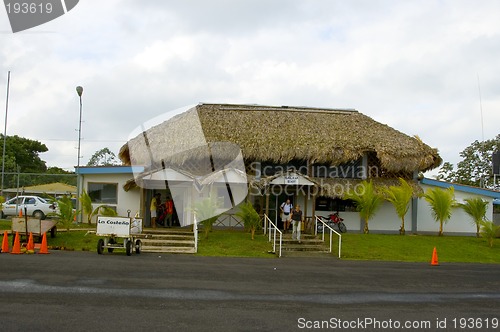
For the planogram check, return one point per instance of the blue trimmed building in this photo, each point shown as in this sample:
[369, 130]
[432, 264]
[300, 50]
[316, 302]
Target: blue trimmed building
[105, 185]
[111, 186]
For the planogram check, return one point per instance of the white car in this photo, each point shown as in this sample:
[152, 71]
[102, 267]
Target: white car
[35, 206]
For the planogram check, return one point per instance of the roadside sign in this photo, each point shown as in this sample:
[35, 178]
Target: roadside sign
[116, 226]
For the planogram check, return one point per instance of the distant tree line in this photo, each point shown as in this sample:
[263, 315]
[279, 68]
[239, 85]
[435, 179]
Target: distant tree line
[476, 167]
[24, 166]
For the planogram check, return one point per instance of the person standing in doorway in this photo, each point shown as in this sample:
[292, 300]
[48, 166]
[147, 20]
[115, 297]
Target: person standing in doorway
[169, 210]
[153, 208]
[297, 218]
[286, 208]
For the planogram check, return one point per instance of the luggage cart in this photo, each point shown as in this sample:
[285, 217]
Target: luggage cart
[116, 228]
[26, 225]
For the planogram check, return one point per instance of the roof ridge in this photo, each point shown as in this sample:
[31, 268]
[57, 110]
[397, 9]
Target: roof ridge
[257, 107]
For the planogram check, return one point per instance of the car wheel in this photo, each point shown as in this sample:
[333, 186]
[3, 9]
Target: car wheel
[39, 214]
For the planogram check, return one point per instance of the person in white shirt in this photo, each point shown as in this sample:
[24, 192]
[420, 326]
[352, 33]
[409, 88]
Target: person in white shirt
[297, 219]
[286, 208]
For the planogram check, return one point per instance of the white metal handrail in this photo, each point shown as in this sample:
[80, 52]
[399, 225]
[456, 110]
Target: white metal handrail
[265, 219]
[274, 230]
[331, 233]
[195, 231]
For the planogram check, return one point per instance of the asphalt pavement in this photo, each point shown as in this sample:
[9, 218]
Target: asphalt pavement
[83, 291]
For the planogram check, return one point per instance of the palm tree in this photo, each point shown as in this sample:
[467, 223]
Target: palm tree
[65, 212]
[400, 197]
[89, 210]
[87, 205]
[476, 209]
[367, 201]
[441, 202]
[206, 213]
[250, 217]
[489, 231]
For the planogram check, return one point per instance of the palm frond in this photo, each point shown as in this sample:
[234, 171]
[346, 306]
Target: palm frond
[366, 199]
[489, 231]
[476, 208]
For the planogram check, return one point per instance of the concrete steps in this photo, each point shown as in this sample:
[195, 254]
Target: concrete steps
[176, 241]
[181, 241]
[309, 245]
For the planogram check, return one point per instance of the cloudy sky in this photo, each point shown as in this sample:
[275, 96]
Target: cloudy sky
[414, 65]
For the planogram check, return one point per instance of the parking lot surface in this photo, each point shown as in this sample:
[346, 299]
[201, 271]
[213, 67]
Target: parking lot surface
[83, 291]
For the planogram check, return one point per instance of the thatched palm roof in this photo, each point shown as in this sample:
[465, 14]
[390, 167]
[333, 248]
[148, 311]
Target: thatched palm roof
[280, 134]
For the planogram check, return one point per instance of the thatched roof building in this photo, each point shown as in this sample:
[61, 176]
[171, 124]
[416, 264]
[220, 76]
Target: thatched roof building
[280, 135]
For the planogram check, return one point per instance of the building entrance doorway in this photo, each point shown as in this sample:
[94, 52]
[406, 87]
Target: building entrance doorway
[279, 195]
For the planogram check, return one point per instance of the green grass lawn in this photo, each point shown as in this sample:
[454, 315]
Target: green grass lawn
[409, 248]
[74, 240]
[418, 248]
[234, 243]
[5, 224]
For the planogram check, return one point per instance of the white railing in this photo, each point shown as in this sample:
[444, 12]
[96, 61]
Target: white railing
[195, 231]
[221, 221]
[331, 233]
[273, 230]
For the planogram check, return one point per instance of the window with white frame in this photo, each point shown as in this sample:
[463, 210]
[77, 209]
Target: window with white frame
[103, 193]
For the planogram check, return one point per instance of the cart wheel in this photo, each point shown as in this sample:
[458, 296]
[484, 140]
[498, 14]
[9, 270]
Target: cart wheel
[53, 232]
[138, 246]
[342, 227]
[100, 246]
[128, 247]
[111, 241]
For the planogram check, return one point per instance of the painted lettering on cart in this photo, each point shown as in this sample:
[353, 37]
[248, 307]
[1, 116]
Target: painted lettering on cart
[113, 222]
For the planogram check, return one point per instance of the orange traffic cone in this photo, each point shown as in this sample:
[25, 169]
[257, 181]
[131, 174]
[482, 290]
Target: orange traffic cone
[30, 245]
[20, 212]
[5, 242]
[16, 249]
[434, 260]
[43, 248]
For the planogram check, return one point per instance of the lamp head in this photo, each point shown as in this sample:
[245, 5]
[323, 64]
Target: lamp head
[79, 90]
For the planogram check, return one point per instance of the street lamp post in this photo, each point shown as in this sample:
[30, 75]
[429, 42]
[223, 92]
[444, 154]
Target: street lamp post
[79, 91]
[5, 131]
